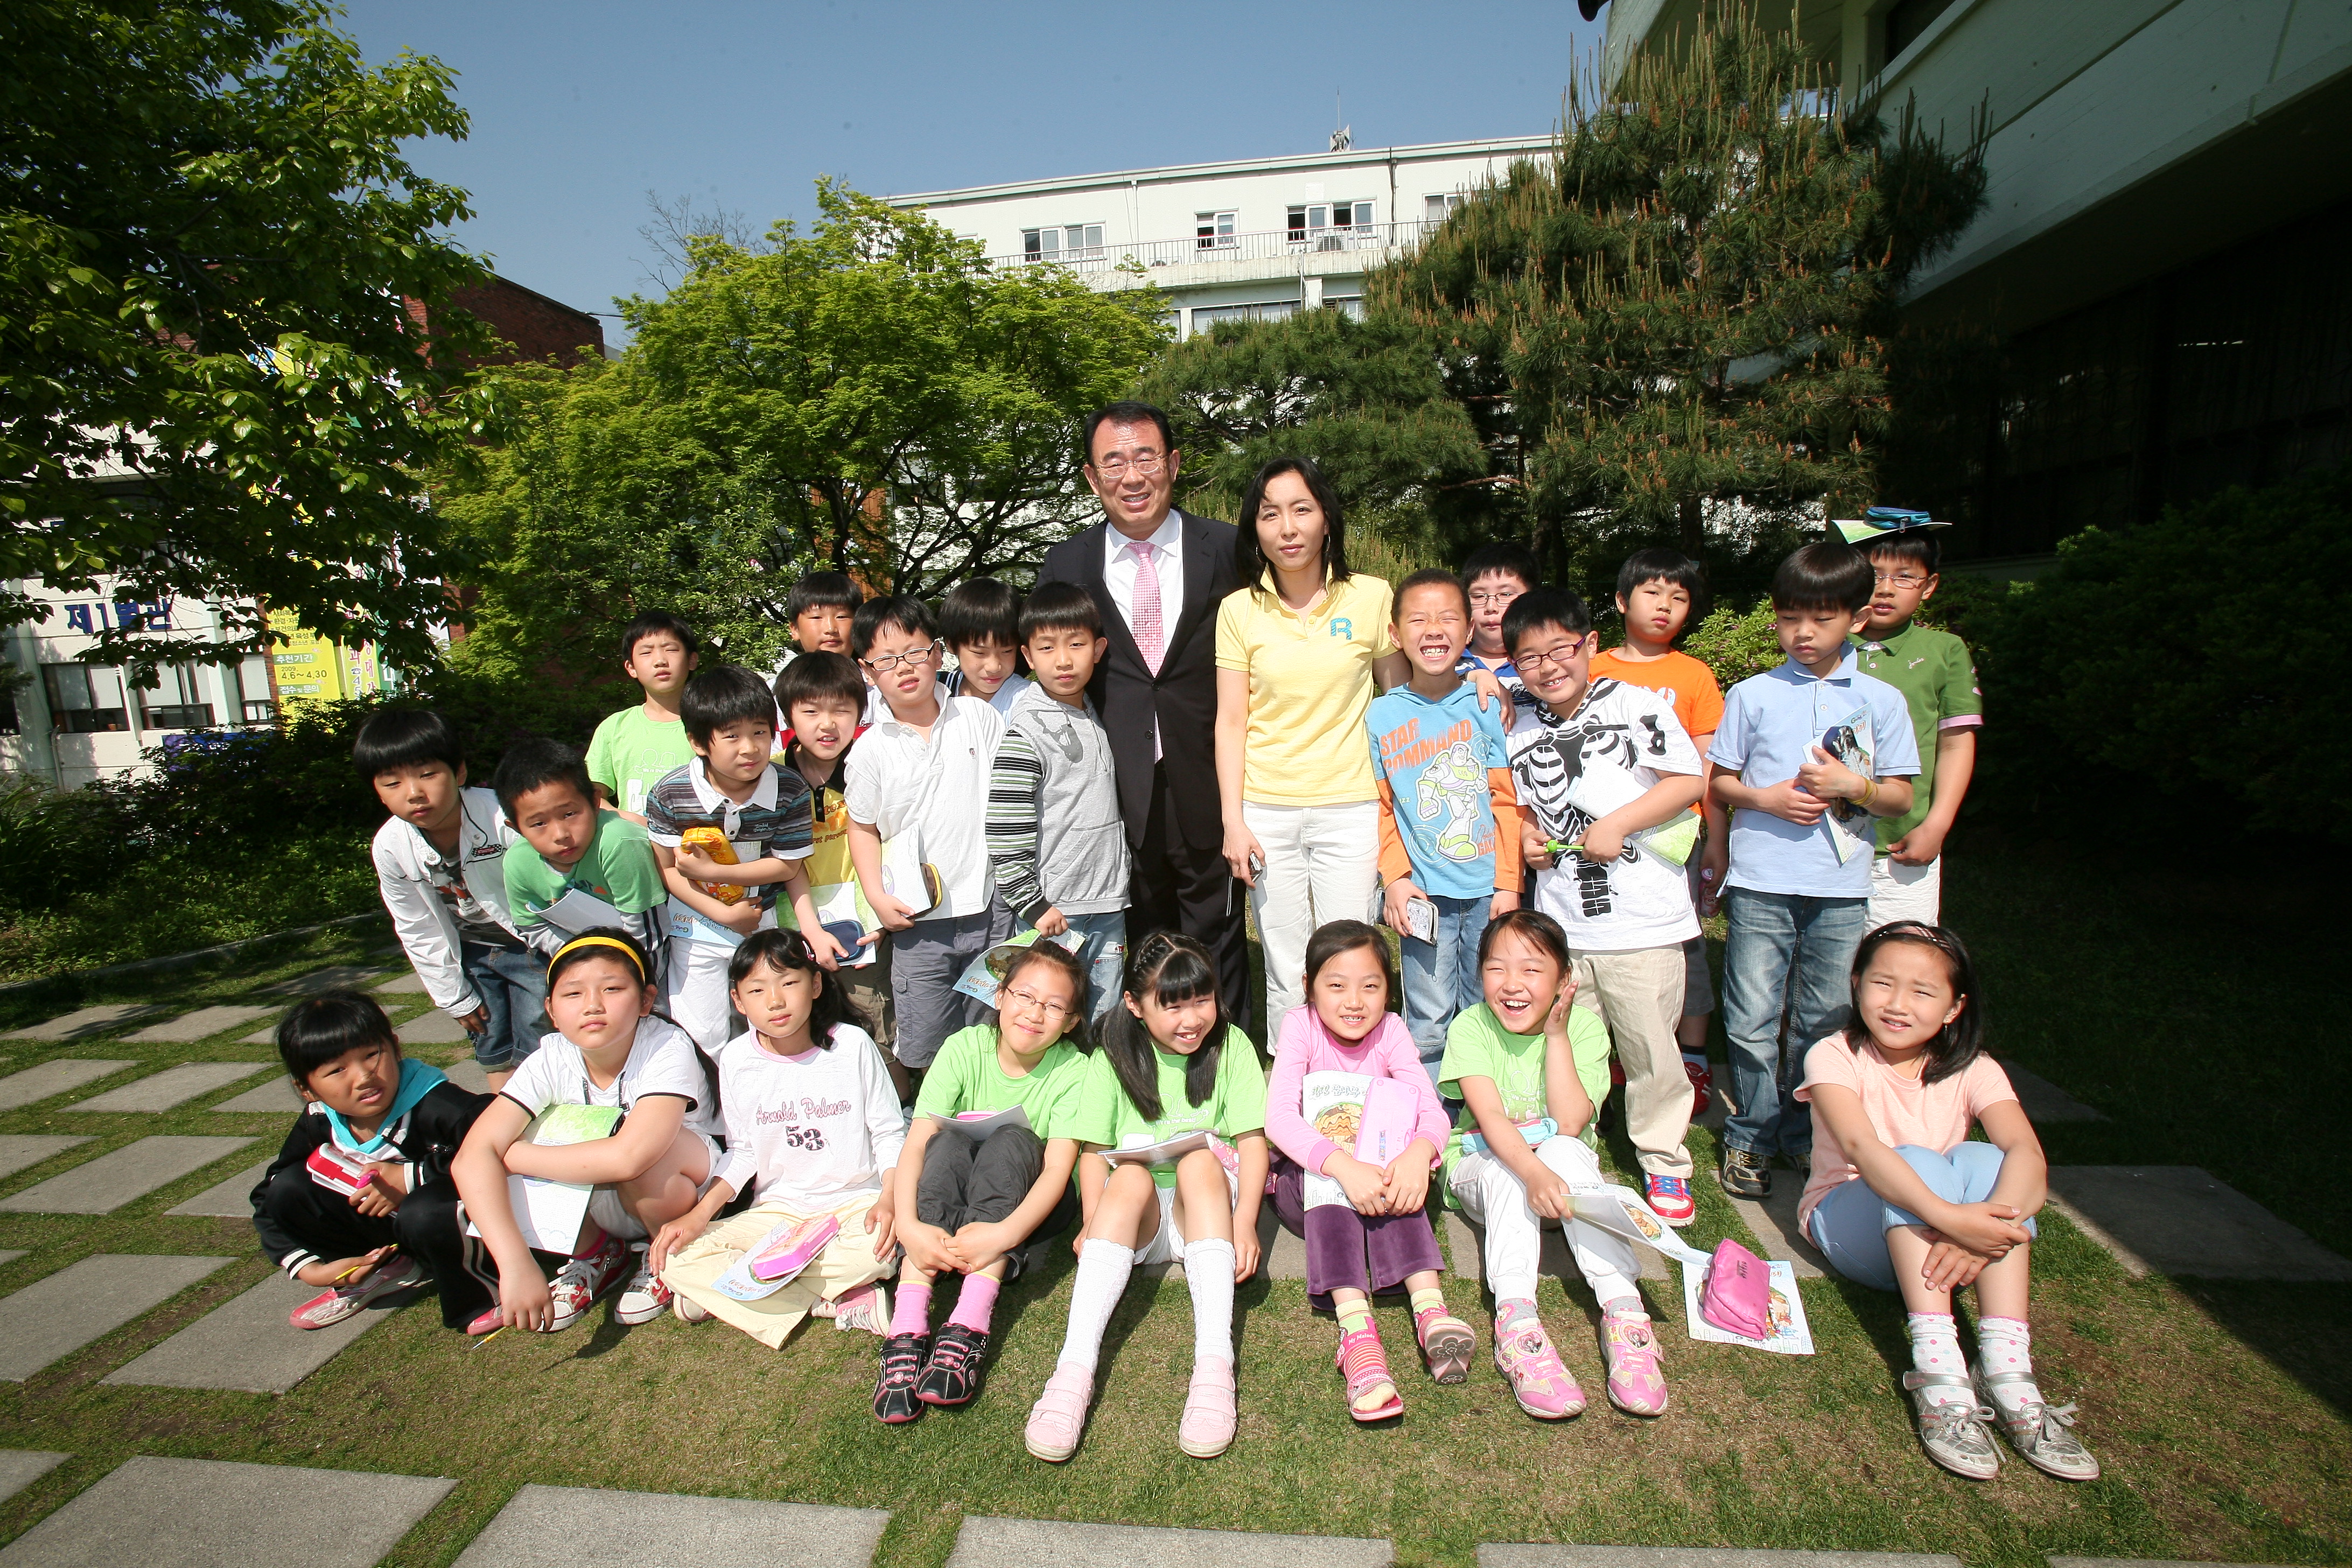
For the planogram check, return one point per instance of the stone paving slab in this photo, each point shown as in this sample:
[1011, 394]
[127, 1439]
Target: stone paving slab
[19, 1150]
[172, 1085]
[985, 1543]
[112, 1180]
[60, 1313]
[407, 980]
[106, 1021]
[337, 977]
[20, 1467]
[586, 1527]
[1699, 1557]
[2178, 1219]
[200, 1024]
[2044, 1100]
[2134, 1562]
[53, 1078]
[224, 1200]
[10, 1254]
[468, 1075]
[203, 1513]
[246, 1344]
[431, 1027]
[277, 1095]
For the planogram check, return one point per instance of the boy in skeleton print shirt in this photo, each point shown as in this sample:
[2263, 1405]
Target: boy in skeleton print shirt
[1596, 763]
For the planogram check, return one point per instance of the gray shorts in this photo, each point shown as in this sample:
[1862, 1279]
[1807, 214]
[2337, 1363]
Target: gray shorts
[925, 961]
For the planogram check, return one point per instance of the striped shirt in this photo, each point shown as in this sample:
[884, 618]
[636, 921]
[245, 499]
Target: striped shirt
[1055, 836]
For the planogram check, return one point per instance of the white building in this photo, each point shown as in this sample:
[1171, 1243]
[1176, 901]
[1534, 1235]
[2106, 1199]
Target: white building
[1256, 238]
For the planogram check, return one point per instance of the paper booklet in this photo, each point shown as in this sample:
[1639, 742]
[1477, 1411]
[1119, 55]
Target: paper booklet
[788, 1249]
[1372, 1117]
[1791, 1335]
[1852, 830]
[688, 922]
[577, 911]
[550, 1212]
[906, 877]
[980, 1126]
[1168, 1150]
[1596, 795]
[980, 980]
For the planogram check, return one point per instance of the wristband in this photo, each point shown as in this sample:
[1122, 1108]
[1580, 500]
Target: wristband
[1869, 793]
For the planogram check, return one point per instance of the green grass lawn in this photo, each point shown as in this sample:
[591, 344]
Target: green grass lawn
[2219, 1410]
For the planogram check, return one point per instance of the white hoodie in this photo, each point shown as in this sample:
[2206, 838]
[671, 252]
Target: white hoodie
[427, 894]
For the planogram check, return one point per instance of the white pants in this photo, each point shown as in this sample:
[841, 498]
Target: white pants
[1322, 864]
[1899, 892]
[694, 992]
[1485, 1189]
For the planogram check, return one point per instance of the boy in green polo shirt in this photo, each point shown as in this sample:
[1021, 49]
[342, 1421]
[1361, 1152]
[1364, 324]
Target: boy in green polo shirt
[1937, 678]
[569, 846]
[635, 748]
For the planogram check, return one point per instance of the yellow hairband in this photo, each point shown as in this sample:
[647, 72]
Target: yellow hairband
[611, 941]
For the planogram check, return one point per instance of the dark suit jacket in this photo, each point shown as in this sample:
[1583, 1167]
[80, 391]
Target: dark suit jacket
[1184, 697]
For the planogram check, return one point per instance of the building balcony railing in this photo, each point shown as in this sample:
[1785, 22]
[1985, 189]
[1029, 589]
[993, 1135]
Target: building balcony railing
[1264, 246]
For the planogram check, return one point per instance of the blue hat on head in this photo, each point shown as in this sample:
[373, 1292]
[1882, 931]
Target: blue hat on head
[1882, 523]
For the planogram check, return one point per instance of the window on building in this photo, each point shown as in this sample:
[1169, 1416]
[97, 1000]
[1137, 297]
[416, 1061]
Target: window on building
[1207, 316]
[1214, 231]
[1434, 209]
[10, 724]
[1350, 305]
[1070, 242]
[177, 702]
[85, 699]
[1323, 223]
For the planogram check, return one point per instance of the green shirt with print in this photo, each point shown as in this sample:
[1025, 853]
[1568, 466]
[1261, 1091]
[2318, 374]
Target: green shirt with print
[619, 869]
[1938, 683]
[630, 752]
[1478, 1045]
[968, 1075]
[1236, 1102]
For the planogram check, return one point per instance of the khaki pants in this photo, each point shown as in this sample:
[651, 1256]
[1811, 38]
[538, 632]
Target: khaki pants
[848, 1262]
[1639, 996]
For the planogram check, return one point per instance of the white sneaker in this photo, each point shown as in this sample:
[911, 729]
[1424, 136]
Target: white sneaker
[645, 1297]
[582, 1280]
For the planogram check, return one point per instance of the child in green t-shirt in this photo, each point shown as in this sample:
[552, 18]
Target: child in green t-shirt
[1531, 1071]
[983, 1207]
[1169, 1069]
[569, 847]
[633, 748]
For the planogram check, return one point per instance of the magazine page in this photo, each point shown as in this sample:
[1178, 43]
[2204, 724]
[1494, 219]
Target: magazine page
[980, 1126]
[1852, 830]
[1333, 1104]
[1623, 1211]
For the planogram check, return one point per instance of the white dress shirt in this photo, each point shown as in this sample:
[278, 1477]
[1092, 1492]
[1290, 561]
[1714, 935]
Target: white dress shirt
[1167, 544]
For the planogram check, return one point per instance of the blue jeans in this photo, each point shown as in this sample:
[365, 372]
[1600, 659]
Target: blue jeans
[1792, 950]
[1105, 956]
[1850, 1222]
[1441, 977]
[512, 983]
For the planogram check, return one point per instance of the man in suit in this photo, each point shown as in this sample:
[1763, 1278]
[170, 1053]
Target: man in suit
[1159, 573]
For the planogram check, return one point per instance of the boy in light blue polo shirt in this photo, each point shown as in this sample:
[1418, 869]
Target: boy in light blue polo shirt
[1808, 758]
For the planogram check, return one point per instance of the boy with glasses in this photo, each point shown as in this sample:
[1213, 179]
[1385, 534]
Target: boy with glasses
[1938, 681]
[1492, 576]
[923, 770]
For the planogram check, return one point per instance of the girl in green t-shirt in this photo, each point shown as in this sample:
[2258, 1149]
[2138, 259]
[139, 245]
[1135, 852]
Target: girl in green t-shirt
[1171, 1071]
[1513, 1061]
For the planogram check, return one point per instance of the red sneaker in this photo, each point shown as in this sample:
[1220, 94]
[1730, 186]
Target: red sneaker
[584, 1279]
[1702, 1079]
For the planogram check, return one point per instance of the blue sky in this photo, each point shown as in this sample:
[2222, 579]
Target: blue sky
[580, 108]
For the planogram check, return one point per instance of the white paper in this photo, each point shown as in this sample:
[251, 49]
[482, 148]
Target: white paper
[1333, 1104]
[1623, 1211]
[577, 911]
[980, 1129]
[1166, 1153]
[1791, 1335]
[687, 921]
[902, 870]
[840, 905]
[1849, 741]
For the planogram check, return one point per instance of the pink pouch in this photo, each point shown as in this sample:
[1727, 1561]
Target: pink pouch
[795, 1249]
[1737, 1297]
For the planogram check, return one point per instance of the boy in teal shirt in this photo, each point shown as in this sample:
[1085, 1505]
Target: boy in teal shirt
[633, 749]
[572, 849]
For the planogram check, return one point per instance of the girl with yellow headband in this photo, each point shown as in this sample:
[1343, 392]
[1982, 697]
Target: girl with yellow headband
[610, 1050]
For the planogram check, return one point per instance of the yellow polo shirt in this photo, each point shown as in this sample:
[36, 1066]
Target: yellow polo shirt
[1311, 675]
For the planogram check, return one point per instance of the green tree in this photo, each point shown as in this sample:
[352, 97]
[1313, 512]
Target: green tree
[871, 396]
[1677, 329]
[210, 383]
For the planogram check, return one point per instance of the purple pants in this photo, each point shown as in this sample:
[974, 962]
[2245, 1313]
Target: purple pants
[1349, 1251]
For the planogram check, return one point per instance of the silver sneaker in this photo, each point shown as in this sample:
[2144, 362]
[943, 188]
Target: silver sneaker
[2041, 1433]
[1954, 1433]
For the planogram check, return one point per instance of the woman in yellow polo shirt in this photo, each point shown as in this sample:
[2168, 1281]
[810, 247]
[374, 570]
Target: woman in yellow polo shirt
[1301, 650]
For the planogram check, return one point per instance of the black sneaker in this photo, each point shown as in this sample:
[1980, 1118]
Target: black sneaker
[1745, 1174]
[953, 1376]
[903, 1356]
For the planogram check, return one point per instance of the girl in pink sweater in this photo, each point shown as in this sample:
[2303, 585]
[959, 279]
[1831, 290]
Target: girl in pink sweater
[1366, 1225]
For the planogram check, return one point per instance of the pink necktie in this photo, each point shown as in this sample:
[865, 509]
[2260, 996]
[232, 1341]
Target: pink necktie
[1145, 620]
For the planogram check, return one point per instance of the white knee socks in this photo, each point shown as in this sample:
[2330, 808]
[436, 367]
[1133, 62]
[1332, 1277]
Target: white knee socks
[1935, 1347]
[1103, 1268]
[2005, 1345]
[1209, 1273]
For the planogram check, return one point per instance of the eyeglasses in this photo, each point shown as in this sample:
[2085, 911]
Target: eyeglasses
[890, 661]
[1526, 663]
[1480, 597]
[1147, 463]
[1028, 1003]
[1900, 579]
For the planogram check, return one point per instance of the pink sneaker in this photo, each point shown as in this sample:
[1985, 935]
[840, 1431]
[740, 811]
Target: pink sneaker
[1540, 1382]
[1636, 1386]
[1060, 1416]
[342, 1300]
[1209, 1416]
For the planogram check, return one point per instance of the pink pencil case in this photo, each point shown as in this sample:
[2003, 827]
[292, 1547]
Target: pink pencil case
[795, 1249]
[1737, 1297]
[337, 1171]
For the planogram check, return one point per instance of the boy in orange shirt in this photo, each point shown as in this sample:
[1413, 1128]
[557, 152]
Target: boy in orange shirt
[1659, 593]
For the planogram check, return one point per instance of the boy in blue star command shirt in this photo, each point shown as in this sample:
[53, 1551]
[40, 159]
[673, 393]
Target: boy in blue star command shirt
[1449, 814]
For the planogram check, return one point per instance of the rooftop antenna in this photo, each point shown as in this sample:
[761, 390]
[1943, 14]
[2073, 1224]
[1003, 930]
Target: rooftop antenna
[1340, 139]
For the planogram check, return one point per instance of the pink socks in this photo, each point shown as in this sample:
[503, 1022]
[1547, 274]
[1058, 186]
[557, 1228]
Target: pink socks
[913, 1313]
[976, 1302]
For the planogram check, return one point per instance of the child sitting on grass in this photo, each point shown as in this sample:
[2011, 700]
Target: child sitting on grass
[635, 746]
[1169, 1066]
[1901, 1200]
[609, 1051]
[984, 1209]
[392, 1124]
[812, 1129]
[1375, 1232]
[1531, 1069]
